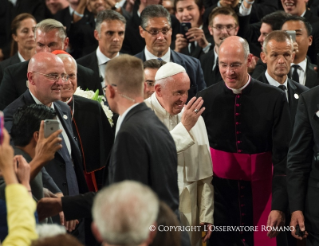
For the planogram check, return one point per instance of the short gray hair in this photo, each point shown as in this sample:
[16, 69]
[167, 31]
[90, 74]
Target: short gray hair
[154, 11]
[107, 15]
[67, 56]
[123, 212]
[279, 36]
[48, 25]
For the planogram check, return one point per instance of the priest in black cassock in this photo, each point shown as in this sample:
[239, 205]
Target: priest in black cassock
[90, 125]
[248, 128]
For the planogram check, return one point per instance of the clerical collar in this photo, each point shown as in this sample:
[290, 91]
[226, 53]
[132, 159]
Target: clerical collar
[303, 14]
[21, 57]
[71, 10]
[274, 82]
[239, 91]
[69, 100]
[166, 57]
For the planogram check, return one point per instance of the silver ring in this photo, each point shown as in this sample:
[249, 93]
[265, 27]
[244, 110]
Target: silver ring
[196, 110]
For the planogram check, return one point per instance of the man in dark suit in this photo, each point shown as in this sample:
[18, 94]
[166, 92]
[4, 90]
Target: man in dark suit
[156, 30]
[109, 32]
[302, 176]
[47, 39]
[8, 62]
[46, 75]
[278, 54]
[302, 70]
[248, 129]
[223, 22]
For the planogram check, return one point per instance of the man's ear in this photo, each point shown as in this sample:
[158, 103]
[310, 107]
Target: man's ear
[30, 78]
[141, 32]
[96, 233]
[293, 56]
[158, 90]
[210, 30]
[35, 136]
[310, 38]
[96, 35]
[66, 43]
[263, 57]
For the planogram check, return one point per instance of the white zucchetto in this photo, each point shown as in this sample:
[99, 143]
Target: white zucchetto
[168, 70]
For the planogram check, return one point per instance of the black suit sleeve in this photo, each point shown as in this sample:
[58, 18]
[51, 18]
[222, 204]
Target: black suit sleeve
[199, 76]
[300, 157]
[77, 207]
[7, 91]
[280, 142]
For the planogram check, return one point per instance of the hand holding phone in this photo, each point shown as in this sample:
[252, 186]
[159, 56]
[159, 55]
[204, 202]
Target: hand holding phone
[50, 126]
[184, 27]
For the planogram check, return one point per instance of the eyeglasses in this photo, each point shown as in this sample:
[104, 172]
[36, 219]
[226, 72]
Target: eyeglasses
[232, 66]
[227, 27]
[106, 85]
[55, 77]
[155, 32]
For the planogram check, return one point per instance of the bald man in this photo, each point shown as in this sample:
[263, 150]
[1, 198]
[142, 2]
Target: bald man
[248, 129]
[46, 76]
[188, 130]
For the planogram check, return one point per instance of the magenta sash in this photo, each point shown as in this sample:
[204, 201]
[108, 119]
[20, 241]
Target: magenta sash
[256, 168]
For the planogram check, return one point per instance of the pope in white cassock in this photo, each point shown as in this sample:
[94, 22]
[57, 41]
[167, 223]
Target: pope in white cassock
[187, 127]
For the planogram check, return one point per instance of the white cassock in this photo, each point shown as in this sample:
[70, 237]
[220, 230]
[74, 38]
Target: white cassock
[194, 169]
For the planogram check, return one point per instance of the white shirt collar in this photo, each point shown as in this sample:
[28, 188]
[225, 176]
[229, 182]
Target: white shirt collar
[37, 101]
[238, 91]
[122, 117]
[274, 82]
[303, 14]
[71, 10]
[101, 58]
[166, 57]
[303, 64]
[20, 57]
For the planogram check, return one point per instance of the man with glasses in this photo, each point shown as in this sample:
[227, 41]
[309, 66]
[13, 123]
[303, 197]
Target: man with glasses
[150, 69]
[46, 76]
[50, 35]
[248, 128]
[223, 22]
[156, 29]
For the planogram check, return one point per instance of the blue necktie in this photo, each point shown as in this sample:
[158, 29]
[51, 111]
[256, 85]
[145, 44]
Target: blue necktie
[160, 59]
[69, 170]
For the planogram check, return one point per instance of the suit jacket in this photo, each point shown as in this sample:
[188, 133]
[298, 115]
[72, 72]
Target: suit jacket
[312, 79]
[8, 62]
[133, 42]
[303, 158]
[56, 167]
[90, 61]
[294, 91]
[148, 158]
[14, 82]
[91, 126]
[314, 48]
[193, 69]
[207, 63]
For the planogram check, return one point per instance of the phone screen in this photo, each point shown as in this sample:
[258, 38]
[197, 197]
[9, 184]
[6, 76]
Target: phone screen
[1, 127]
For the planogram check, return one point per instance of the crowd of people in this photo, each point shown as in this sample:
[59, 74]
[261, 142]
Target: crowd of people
[185, 122]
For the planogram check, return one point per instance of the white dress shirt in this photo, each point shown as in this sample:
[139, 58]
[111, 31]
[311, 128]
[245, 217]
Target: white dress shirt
[21, 57]
[301, 71]
[166, 57]
[65, 136]
[275, 83]
[101, 61]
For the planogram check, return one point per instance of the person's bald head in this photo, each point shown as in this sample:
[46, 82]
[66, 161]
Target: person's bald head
[45, 72]
[233, 56]
[70, 67]
[171, 87]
